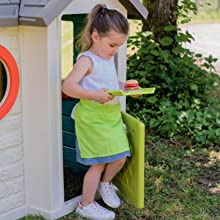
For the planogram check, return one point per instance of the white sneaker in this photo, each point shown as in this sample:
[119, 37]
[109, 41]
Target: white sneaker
[108, 194]
[95, 212]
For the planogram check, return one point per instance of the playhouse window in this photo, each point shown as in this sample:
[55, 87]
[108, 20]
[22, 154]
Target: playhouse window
[3, 81]
[67, 48]
[71, 27]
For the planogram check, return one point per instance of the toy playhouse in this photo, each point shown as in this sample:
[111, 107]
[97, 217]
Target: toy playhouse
[36, 132]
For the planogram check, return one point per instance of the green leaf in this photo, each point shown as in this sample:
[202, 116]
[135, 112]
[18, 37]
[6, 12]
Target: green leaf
[170, 28]
[187, 20]
[193, 87]
[154, 123]
[182, 38]
[155, 52]
[178, 50]
[166, 41]
[198, 55]
[217, 132]
[152, 99]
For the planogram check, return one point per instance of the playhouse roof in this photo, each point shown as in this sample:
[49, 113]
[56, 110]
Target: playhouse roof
[43, 12]
[135, 8]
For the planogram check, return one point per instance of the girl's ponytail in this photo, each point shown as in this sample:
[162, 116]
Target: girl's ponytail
[85, 41]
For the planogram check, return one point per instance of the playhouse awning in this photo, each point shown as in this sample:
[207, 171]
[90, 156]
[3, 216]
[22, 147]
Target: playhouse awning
[43, 12]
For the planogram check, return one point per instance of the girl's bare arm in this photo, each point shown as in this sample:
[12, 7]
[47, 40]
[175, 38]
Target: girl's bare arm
[71, 85]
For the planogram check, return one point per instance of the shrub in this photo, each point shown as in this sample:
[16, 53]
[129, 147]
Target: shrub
[186, 101]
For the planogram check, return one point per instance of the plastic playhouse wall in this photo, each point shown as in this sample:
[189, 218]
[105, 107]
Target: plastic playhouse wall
[12, 191]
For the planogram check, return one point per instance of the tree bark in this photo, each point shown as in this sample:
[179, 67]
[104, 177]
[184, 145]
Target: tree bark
[218, 5]
[161, 13]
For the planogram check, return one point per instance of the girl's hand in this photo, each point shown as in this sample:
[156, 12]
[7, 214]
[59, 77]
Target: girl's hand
[102, 96]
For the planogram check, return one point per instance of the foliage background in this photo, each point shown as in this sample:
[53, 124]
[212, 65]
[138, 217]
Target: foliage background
[186, 102]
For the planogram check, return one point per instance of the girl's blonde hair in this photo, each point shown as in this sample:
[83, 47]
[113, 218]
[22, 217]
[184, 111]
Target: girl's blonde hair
[102, 20]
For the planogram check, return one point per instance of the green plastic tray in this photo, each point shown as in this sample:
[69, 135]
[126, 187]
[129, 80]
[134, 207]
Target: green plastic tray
[141, 91]
[130, 180]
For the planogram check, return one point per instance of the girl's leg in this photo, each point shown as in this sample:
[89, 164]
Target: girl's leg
[106, 188]
[90, 183]
[112, 169]
[88, 207]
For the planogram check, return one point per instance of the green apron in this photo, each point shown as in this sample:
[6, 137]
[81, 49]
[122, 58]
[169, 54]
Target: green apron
[99, 129]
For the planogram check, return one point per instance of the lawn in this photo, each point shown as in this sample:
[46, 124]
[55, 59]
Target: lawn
[181, 182]
[208, 12]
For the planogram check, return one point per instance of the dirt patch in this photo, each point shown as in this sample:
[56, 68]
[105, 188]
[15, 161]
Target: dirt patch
[206, 162]
[209, 171]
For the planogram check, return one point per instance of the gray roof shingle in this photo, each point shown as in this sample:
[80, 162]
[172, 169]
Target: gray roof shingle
[9, 10]
[43, 12]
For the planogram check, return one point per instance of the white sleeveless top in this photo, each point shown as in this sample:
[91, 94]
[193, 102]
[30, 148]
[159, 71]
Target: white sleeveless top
[103, 75]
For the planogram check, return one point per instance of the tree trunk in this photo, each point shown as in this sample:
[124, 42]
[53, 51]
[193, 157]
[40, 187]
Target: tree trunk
[218, 4]
[161, 13]
[197, 4]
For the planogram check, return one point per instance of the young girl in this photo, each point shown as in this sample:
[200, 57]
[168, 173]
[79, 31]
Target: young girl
[102, 140]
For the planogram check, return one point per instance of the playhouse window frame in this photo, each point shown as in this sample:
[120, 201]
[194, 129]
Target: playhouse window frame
[13, 81]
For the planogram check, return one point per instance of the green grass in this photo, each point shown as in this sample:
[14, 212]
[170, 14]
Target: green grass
[180, 183]
[208, 11]
[204, 17]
